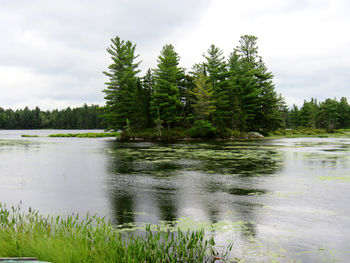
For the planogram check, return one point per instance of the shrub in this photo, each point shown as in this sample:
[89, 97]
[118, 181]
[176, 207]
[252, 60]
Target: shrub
[202, 129]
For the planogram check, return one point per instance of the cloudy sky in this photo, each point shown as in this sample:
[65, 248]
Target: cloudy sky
[52, 53]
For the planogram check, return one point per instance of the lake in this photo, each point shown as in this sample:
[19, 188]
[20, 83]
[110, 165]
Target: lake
[282, 199]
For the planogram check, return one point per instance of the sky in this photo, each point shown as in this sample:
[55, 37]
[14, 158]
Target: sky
[53, 53]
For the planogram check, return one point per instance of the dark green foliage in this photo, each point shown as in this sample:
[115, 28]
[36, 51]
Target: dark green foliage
[308, 114]
[329, 115]
[166, 103]
[258, 107]
[234, 96]
[237, 94]
[86, 117]
[216, 69]
[343, 113]
[202, 129]
[202, 95]
[148, 84]
[123, 88]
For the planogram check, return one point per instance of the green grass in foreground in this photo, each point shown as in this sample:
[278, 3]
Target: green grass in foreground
[91, 239]
[87, 135]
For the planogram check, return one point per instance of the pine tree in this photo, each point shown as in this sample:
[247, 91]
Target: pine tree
[259, 105]
[166, 95]
[216, 69]
[270, 115]
[148, 84]
[294, 117]
[235, 93]
[344, 113]
[328, 114]
[246, 80]
[308, 113]
[122, 85]
[203, 104]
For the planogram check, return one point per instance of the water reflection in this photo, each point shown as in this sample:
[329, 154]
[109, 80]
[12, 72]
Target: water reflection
[289, 197]
[123, 205]
[176, 179]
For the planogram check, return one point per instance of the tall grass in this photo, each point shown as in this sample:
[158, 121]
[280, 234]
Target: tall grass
[91, 239]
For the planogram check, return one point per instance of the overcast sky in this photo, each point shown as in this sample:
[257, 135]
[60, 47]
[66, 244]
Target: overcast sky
[52, 53]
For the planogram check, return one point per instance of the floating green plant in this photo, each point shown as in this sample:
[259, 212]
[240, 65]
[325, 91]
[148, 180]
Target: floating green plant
[29, 135]
[334, 178]
[225, 158]
[87, 135]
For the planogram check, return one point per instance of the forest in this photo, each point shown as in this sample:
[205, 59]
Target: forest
[217, 97]
[329, 114]
[85, 117]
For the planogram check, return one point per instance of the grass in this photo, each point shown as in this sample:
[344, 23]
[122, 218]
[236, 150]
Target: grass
[87, 135]
[29, 135]
[308, 132]
[91, 239]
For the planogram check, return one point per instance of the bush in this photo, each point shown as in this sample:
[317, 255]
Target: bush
[202, 129]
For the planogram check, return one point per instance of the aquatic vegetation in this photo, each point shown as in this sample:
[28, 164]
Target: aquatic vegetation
[91, 239]
[309, 132]
[87, 135]
[4, 143]
[334, 178]
[243, 159]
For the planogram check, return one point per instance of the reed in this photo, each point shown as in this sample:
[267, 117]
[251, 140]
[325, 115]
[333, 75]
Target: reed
[92, 239]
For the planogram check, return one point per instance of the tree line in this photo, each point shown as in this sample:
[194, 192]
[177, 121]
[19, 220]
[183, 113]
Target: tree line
[85, 117]
[219, 94]
[216, 96]
[329, 114]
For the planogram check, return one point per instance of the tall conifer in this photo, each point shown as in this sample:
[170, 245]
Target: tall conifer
[216, 68]
[122, 85]
[166, 96]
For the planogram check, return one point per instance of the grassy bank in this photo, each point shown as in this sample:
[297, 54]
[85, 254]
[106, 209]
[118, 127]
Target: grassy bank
[87, 135]
[91, 239]
[309, 132]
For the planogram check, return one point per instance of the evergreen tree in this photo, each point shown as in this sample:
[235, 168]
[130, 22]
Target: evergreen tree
[166, 95]
[344, 113]
[259, 106]
[269, 117]
[216, 69]
[308, 113]
[141, 108]
[328, 114]
[122, 85]
[249, 90]
[235, 93]
[148, 84]
[203, 104]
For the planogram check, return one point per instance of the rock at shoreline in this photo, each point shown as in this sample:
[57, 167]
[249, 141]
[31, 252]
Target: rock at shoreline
[255, 135]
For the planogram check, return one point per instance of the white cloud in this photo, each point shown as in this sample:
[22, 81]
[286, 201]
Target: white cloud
[53, 54]
[304, 43]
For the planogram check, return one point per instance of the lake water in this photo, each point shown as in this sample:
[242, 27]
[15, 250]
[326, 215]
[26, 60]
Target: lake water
[286, 199]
